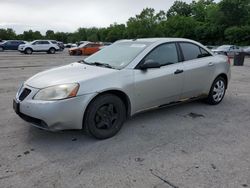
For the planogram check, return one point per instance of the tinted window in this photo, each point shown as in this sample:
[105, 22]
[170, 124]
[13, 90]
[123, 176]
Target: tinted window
[204, 53]
[37, 42]
[164, 54]
[44, 42]
[190, 51]
[54, 42]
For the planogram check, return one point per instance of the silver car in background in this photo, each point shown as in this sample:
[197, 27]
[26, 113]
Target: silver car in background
[98, 94]
[229, 50]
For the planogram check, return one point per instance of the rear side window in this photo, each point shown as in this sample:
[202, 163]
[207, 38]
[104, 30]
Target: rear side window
[190, 51]
[164, 54]
[44, 42]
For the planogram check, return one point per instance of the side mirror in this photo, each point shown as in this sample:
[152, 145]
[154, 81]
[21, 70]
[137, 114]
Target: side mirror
[148, 64]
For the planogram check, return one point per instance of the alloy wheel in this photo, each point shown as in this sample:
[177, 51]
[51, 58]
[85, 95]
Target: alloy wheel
[218, 91]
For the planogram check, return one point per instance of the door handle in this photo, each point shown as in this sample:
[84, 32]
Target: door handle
[210, 64]
[178, 71]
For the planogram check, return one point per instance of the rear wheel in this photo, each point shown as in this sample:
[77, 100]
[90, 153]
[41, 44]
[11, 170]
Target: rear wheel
[217, 91]
[52, 51]
[105, 116]
[28, 51]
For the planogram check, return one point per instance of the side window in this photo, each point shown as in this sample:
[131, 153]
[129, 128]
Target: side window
[190, 51]
[87, 46]
[164, 54]
[44, 42]
[37, 42]
[204, 53]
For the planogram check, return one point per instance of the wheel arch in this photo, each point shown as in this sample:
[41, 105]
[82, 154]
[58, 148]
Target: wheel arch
[223, 75]
[29, 48]
[122, 95]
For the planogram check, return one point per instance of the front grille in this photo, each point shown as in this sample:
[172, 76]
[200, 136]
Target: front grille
[24, 94]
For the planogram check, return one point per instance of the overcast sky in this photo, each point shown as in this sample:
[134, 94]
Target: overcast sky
[68, 15]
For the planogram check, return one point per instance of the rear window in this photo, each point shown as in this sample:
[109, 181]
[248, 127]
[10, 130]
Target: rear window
[190, 51]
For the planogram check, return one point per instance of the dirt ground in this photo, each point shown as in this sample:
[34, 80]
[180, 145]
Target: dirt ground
[191, 145]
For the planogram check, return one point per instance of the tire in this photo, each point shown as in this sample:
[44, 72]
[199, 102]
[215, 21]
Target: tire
[217, 91]
[1, 49]
[104, 116]
[52, 51]
[28, 51]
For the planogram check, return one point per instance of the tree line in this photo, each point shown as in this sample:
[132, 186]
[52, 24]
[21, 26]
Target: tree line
[211, 23]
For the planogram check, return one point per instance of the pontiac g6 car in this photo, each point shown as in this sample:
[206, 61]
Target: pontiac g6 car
[98, 94]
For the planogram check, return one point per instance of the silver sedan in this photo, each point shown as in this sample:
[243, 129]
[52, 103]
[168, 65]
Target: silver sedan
[98, 94]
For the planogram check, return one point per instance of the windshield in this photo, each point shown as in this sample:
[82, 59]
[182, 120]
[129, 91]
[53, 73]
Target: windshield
[33, 42]
[224, 47]
[118, 55]
[82, 45]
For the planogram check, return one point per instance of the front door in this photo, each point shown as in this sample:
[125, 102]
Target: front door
[159, 86]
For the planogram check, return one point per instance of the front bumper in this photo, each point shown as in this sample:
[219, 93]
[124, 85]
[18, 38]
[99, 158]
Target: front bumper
[53, 115]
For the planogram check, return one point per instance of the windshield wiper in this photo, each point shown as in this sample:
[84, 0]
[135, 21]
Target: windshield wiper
[82, 61]
[100, 64]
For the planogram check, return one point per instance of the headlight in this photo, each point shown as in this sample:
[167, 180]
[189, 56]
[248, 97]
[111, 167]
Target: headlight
[57, 92]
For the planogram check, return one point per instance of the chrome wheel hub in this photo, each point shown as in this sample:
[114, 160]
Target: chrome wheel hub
[218, 91]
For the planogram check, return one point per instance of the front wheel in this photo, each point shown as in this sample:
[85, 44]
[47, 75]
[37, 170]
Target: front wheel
[105, 116]
[28, 51]
[217, 91]
[1, 49]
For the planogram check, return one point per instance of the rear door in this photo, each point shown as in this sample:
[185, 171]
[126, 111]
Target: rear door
[45, 45]
[198, 67]
[158, 86]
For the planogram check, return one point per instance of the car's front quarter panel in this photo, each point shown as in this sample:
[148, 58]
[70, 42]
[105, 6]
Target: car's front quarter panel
[120, 80]
[58, 114]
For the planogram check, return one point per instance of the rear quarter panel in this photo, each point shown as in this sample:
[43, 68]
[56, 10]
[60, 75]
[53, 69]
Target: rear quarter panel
[222, 66]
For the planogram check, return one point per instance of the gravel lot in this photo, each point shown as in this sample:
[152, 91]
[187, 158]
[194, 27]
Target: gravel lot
[189, 145]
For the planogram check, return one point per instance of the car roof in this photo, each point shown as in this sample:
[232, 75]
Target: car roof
[158, 41]
[154, 40]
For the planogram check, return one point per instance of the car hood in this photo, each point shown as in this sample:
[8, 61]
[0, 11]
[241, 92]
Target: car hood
[72, 73]
[73, 48]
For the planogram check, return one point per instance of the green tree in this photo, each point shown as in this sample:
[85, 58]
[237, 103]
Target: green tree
[7, 34]
[145, 24]
[234, 12]
[179, 8]
[115, 32]
[50, 34]
[180, 26]
[199, 9]
[238, 35]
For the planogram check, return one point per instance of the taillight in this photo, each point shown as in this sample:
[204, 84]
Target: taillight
[228, 60]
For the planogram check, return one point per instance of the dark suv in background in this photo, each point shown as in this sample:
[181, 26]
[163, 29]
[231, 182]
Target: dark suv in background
[11, 45]
[59, 44]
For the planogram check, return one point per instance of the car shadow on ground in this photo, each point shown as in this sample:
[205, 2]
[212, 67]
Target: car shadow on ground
[145, 120]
